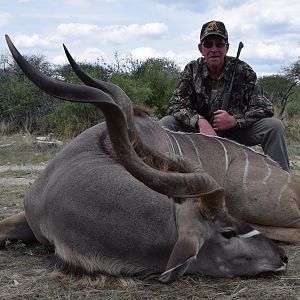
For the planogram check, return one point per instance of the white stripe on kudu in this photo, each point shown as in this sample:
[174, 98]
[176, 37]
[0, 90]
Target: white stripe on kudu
[249, 234]
[269, 170]
[283, 188]
[225, 154]
[178, 147]
[171, 143]
[196, 150]
[246, 169]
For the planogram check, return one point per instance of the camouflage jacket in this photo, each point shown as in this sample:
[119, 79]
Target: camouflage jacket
[197, 94]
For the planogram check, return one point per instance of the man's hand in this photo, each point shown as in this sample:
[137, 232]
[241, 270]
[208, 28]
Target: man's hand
[205, 127]
[223, 120]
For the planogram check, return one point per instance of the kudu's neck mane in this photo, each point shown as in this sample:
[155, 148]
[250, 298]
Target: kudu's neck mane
[157, 160]
[139, 111]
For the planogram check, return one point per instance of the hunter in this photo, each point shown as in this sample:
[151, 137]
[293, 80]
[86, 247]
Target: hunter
[196, 103]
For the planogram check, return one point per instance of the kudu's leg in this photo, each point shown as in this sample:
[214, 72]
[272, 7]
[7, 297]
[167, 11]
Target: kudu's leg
[14, 228]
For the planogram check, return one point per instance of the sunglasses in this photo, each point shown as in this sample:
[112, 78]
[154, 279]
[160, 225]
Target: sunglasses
[209, 44]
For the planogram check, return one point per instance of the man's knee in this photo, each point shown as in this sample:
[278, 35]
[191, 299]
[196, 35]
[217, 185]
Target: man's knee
[167, 121]
[171, 123]
[274, 143]
[274, 123]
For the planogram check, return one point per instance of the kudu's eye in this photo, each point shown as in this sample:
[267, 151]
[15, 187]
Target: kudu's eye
[228, 234]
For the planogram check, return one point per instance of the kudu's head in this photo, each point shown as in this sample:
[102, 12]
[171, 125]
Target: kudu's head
[209, 240]
[212, 242]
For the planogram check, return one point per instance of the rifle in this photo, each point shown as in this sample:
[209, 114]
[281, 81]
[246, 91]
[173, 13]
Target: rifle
[227, 94]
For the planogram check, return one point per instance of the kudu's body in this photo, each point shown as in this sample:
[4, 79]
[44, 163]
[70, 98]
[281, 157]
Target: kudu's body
[103, 217]
[257, 190]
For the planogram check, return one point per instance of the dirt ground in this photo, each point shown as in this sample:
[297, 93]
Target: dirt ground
[26, 271]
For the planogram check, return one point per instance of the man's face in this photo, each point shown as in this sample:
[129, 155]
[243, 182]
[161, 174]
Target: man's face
[214, 48]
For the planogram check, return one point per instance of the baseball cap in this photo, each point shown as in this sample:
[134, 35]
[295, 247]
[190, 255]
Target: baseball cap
[214, 28]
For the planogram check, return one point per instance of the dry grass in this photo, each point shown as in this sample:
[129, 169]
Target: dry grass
[25, 271]
[22, 149]
[25, 274]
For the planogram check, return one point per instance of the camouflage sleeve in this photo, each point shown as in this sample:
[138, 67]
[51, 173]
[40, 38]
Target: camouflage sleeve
[257, 105]
[181, 102]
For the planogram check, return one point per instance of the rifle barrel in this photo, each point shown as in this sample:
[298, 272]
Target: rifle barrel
[227, 94]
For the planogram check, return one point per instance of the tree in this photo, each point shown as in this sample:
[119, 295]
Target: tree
[160, 76]
[279, 90]
[292, 72]
[95, 70]
[22, 104]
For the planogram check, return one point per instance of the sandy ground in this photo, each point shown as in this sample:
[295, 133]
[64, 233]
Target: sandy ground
[4, 181]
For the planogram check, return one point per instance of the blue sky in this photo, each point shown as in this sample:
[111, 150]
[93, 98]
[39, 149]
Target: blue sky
[269, 29]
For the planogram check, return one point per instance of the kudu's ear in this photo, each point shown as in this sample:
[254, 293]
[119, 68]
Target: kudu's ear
[191, 236]
[184, 252]
[191, 233]
[212, 202]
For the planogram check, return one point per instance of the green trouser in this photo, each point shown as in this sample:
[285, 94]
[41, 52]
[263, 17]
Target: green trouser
[267, 132]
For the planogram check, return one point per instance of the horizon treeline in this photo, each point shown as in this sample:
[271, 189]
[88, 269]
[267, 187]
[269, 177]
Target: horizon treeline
[25, 108]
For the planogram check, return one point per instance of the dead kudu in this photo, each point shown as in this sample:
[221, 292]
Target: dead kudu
[127, 197]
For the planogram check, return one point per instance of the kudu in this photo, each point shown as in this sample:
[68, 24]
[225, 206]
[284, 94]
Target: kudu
[127, 197]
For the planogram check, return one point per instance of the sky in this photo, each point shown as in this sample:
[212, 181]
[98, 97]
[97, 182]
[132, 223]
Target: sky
[91, 29]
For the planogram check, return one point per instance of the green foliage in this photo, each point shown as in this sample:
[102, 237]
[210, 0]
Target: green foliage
[283, 93]
[274, 87]
[280, 88]
[22, 103]
[138, 93]
[160, 76]
[70, 119]
[292, 126]
[293, 107]
[151, 82]
[95, 70]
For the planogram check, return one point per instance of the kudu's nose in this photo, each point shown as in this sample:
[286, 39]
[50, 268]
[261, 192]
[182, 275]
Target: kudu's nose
[284, 258]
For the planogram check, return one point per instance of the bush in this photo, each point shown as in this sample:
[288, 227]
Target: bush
[23, 104]
[138, 92]
[70, 119]
[160, 76]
